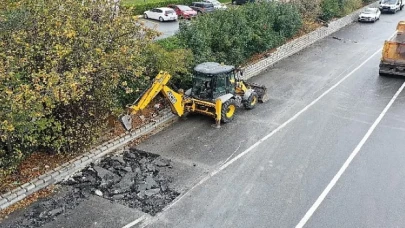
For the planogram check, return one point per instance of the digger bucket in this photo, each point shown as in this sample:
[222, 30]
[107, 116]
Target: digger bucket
[126, 121]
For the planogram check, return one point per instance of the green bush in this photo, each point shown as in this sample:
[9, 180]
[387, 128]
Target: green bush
[330, 9]
[350, 5]
[339, 8]
[234, 35]
[309, 9]
[61, 63]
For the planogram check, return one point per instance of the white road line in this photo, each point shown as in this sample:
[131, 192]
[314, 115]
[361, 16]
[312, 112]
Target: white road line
[248, 150]
[140, 219]
[332, 183]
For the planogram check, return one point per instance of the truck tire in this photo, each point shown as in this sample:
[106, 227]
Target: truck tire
[251, 102]
[228, 110]
[381, 73]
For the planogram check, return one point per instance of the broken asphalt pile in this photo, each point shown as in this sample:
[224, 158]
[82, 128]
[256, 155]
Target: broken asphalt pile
[132, 179]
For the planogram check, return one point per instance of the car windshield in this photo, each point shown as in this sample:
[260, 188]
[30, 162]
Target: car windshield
[368, 11]
[389, 1]
[169, 11]
[184, 8]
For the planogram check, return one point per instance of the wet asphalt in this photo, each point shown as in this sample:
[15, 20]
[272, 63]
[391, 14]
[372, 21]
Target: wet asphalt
[276, 183]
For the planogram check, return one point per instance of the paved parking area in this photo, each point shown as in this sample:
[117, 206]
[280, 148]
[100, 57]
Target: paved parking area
[167, 28]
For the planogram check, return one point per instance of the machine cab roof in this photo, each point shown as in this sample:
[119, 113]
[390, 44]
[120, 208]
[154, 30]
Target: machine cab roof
[212, 68]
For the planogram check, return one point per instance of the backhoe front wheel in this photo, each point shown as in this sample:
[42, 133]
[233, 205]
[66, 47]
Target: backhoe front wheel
[228, 111]
[251, 102]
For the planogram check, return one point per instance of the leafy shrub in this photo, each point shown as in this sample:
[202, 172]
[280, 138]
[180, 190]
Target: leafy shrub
[234, 35]
[61, 63]
[330, 9]
[338, 8]
[175, 60]
[309, 9]
[350, 6]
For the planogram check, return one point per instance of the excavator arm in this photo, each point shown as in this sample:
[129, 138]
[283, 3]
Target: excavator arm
[159, 85]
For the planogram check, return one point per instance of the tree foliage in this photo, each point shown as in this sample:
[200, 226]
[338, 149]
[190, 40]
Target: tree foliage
[234, 35]
[339, 8]
[61, 63]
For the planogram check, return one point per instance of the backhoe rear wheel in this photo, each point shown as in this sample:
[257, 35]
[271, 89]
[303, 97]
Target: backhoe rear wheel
[251, 102]
[228, 110]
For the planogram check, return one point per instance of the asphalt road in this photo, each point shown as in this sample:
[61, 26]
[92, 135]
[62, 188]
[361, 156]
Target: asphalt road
[278, 181]
[270, 165]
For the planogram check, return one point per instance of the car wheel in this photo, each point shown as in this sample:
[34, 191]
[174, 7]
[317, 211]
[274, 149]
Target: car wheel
[161, 19]
[145, 16]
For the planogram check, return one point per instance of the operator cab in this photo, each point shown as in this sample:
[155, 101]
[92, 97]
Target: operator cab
[212, 80]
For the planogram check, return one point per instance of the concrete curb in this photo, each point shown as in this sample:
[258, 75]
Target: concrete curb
[58, 174]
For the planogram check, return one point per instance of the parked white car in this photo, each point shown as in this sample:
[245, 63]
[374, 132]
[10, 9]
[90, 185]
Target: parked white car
[217, 4]
[161, 14]
[370, 14]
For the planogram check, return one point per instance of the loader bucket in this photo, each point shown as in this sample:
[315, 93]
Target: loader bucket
[260, 90]
[126, 121]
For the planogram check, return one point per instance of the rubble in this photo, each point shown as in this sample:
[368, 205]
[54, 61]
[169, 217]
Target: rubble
[133, 179]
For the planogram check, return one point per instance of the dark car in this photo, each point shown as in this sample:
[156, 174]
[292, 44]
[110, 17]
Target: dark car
[183, 11]
[202, 7]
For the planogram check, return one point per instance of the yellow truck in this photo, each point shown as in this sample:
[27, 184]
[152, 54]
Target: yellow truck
[393, 54]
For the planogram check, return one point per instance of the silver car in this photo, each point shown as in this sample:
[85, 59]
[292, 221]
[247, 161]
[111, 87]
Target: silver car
[370, 15]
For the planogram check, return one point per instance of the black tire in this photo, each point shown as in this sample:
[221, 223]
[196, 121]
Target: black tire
[161, 19]
[145, 16]
[228, 111]
[382, 74]
[251, 102]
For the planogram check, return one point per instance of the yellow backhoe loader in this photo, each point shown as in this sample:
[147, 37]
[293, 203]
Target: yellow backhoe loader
[217, 91]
